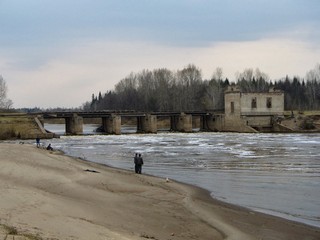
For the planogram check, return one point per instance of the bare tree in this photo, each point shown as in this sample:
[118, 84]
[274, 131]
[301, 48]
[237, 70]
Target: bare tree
[146, 89]
[218, 74]
[5, 103]
[313, 87]
[127, 92]
[214, 90]
[163, 79]
[314, 74]
[253, 80]
[190, 80]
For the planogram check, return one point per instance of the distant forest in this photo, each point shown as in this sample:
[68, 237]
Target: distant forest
[185, 90]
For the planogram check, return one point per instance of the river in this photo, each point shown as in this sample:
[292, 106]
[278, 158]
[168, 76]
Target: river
[277, 174]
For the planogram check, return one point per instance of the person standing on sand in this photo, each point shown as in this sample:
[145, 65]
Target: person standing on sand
[135, 160]
[138, 162]
[38, 142]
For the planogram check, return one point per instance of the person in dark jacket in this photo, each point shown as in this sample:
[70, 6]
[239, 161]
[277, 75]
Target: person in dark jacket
[38, 142]
[135, 160]
[49, 147]
[138, 162]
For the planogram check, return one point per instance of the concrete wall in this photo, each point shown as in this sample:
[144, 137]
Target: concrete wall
[112, 124]
[232, 119]
[74, 125]
[232, 100]
[275, 99]
[212, 123]
[258, 121]
[182, 123]
[241, 115]
[147, 124]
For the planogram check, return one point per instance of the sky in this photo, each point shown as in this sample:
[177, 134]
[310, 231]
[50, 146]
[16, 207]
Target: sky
[57, 53]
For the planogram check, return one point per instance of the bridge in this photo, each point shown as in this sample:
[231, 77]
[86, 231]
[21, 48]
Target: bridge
[146, 121]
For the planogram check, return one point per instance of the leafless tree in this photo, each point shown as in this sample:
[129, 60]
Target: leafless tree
[218, 74]
[313, 87]
[190, 80]
[253, 80]
[163, 79]
[314, 74]
[5, 103]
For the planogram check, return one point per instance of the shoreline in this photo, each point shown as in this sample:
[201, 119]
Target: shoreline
[282, 214]
[53, 195]
[206, 191]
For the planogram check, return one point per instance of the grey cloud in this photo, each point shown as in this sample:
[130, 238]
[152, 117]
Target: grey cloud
[170, 22]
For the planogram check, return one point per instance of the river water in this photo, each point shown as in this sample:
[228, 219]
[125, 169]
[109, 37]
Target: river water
[277, 174]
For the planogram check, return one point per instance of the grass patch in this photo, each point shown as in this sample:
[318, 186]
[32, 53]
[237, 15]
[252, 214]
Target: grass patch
[13, 231]
[32, 237]
[8, 133]
[10, 230]
[147, 236]
[305, 113]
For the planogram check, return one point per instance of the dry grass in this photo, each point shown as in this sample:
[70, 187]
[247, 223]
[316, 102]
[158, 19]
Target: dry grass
[305, 113]
[9, 230]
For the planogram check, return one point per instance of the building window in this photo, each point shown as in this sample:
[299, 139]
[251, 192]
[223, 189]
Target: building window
[269, 102]
[232, 107]
[254, 103]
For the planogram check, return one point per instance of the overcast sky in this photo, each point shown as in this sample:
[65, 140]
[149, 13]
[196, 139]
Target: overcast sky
[56, 53]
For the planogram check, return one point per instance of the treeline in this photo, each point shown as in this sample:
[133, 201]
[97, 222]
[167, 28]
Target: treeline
[185, 90]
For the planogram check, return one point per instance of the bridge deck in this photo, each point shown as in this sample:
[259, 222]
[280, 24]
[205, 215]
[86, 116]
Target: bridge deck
[101, 114]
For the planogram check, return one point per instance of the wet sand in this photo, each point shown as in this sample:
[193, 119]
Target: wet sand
[53, 196]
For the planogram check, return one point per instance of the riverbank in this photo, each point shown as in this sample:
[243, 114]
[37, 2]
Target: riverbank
[53, 196]
[22, 126]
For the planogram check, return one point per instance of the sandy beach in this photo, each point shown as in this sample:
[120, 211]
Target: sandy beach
[47, 195]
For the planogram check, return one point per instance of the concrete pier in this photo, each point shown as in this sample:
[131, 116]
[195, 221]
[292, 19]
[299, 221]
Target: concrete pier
[181, 123]
[147, 124]
[112, 124]
[74, 125]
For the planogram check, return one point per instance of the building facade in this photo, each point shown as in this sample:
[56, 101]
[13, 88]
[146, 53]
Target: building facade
[250, 112]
